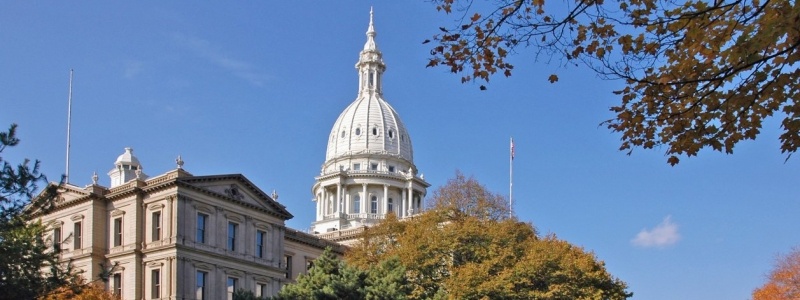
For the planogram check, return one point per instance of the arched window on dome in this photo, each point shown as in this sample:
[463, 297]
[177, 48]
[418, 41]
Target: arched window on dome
[374, 130]
[358, 131]
[357, 204]
[371, 78]
[373, 205]
[343, 133]
[391, 134]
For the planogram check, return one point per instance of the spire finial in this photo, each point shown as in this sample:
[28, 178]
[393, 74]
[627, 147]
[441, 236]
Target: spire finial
[370, 45]
[179, 162]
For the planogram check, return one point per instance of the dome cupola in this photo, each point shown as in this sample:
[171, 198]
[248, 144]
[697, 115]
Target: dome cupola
[369, 168]
[369, 125]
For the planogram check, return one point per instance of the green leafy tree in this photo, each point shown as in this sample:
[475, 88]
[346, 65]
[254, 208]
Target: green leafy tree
[332, 278]
[29, 267]
[329, 278]
[242, 294]
[698, 74]
[455, 250]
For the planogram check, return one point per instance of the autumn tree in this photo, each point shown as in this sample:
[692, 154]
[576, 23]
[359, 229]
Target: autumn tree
[784, 280]
[697, 74]
[467, 247]
[80, 291]
[29, 266]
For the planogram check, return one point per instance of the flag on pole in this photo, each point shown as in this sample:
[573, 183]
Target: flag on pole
[512, 148]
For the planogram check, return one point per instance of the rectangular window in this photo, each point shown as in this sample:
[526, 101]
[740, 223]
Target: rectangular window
[57, 238]
[287, 260]
[117, 232]
[77, 236]
[390, 205]
[232, 236]
[201, 228]
[231, 287]
[356, 167]
[200, 290]
[391, 169]
[309, 264]
[156, 226]
[261, 290]
[260, 237]
[373, 205]
[117, 288]
[374, 167]
[155, 284]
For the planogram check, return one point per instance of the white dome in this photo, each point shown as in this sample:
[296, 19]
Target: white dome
[127, 158]
[369, 126]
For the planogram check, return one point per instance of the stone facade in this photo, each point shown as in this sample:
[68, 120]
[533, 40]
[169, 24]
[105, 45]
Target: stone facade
[180, 236]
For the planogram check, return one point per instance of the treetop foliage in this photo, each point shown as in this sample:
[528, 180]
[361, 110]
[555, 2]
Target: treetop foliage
[30, 266]
[451, 253]
[783, 281]
[697, 74]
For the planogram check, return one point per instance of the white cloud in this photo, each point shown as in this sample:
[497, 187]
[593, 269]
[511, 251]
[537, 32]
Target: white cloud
[664, 234]
[206, 50]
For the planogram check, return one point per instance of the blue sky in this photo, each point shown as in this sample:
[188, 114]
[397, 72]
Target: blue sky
[254, 88]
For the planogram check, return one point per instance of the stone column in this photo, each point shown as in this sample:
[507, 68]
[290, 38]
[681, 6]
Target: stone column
[338, 196]
[410, 198]
[400, 204]
[385, 200]
[364, 199]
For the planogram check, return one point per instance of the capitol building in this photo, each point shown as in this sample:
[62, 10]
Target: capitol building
[179, 235]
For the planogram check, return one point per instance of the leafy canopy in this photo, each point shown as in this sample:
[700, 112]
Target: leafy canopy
[465, 246]
[30, 266]
[332, 278]
[784, 280]
[698, 74]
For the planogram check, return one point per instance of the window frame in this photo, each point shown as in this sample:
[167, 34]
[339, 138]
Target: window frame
[118, 231]
[155, 234]
[233, 227]
[200, 281]
[77, 235]
[261, 237]
[155, 283]
[200, 233]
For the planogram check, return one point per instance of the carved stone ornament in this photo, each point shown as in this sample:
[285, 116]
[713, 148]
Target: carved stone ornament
[234, 193]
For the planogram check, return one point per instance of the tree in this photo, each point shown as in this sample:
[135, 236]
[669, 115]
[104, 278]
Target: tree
[332, 278]
[697, 74]
[329, 278]
[454, 251]
[784, 280]
[81, 291]
[30, 266]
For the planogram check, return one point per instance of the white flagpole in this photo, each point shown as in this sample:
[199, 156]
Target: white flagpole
[69, 124]
[511, 180]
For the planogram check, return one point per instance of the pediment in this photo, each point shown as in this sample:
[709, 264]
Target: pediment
[237, 188]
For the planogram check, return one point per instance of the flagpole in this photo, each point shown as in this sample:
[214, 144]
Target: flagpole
[511, 180]
[69, 124]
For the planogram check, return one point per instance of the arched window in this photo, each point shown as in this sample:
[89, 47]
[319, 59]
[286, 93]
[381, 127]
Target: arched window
[342, 133]
[358, 131]
[373, 205]
[391, 134]
[357, 204]
[374, 130]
